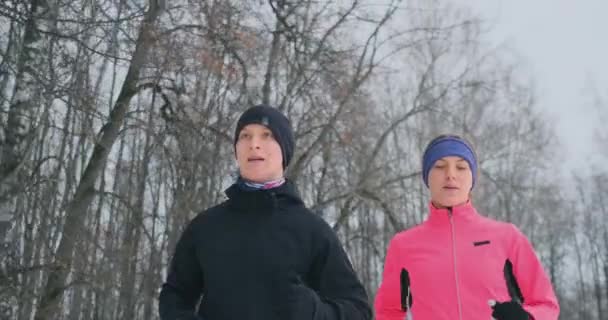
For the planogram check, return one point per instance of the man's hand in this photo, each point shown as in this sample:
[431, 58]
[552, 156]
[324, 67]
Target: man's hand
[190, 317]
[509, 310]
[295, 300]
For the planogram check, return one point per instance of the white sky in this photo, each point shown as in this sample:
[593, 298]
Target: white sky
[564, 44]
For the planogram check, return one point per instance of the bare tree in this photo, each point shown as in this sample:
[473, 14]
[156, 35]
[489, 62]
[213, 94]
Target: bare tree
[16, 134]
[50, 301]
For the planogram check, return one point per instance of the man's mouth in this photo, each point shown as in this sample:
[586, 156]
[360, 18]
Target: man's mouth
[255, 159]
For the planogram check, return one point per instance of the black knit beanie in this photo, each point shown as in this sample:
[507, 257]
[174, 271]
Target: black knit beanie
[273, 120]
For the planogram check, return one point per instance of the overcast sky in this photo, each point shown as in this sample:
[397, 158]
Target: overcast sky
[564, 44]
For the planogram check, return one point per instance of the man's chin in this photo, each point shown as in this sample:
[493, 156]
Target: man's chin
[256, 177]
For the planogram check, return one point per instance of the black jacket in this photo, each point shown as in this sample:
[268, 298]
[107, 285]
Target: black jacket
[261, 255]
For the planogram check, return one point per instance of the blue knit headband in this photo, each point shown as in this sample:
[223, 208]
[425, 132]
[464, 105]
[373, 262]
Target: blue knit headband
[444, 147]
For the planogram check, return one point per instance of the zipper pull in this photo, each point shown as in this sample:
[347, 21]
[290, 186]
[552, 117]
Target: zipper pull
[273, 197]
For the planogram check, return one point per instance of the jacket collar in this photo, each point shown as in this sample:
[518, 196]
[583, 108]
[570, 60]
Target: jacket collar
[263, 199]
[463, 212]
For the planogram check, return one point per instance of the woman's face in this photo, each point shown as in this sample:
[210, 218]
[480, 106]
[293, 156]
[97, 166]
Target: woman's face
[450, 182]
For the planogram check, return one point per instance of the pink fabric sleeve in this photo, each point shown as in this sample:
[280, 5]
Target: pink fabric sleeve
[536, 288]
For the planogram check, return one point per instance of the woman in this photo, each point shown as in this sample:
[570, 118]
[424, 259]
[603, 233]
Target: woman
[459, 264]
[261, 254]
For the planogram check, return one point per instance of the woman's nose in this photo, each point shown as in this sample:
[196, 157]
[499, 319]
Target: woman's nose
[450, 172]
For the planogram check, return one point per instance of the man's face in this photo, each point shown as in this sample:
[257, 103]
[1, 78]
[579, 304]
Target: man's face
[258, 154]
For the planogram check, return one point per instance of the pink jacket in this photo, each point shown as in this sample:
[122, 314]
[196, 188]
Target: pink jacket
[455, 263]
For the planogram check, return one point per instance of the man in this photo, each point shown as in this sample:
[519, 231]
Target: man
[261, 254]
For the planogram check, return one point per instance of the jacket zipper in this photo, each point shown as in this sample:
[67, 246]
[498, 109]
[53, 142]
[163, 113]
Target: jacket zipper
[459, 302]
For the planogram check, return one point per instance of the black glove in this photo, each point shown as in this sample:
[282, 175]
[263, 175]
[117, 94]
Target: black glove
[510, 310]
[295, 300]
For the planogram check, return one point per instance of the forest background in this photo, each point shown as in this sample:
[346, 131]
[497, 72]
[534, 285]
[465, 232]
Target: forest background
[116, 128]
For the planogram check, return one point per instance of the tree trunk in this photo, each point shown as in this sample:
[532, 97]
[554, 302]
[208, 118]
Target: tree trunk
[15, 137]
[50, 303]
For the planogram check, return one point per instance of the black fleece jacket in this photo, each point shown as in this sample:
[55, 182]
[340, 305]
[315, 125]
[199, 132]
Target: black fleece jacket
[261, 255]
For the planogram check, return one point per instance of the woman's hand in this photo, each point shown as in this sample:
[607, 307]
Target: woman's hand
[509, 310]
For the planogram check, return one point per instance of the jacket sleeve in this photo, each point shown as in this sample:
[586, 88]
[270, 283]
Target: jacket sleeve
[339, 295]
[388, 298]
[181, 291]
[539, 298]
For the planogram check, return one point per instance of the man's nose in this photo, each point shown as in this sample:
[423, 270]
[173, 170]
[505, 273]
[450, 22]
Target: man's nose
[255, 143]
